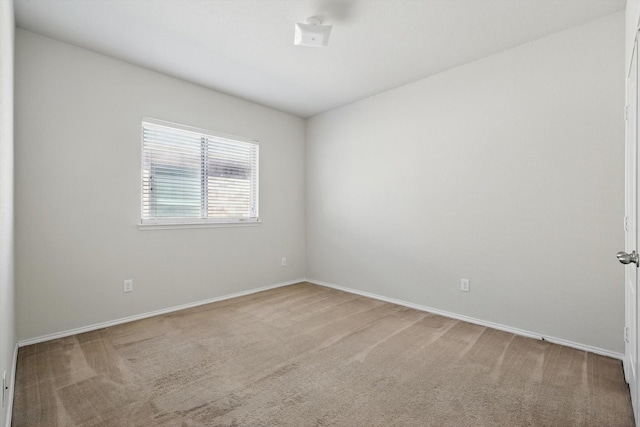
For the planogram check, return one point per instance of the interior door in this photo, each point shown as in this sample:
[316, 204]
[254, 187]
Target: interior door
[629, 256]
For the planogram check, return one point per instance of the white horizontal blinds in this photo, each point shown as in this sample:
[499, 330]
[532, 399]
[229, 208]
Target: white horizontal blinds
[171, 173]
[191, 176]
[232, 175]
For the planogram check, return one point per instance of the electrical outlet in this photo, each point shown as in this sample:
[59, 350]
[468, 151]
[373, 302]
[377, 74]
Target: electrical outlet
[464, 285]
[128, 285]
[283, 262]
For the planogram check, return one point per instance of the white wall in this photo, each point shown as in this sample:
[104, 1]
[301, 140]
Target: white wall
[632, 14]
[78, 119]
[507, 171]
[7, 328]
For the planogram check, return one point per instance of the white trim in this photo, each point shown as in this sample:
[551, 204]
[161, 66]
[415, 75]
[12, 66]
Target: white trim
[488, 324]
[449, 314]
[175, 226]
[133, 318]
[12, 387]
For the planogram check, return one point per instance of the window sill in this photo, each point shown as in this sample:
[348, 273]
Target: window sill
[147, 227]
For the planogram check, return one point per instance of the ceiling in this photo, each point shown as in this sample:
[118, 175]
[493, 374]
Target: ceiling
[245, 47]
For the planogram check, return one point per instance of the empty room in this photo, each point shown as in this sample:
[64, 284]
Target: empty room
[319, 212]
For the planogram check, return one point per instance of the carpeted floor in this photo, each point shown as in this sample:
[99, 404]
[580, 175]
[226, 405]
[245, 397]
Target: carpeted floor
[305, 355]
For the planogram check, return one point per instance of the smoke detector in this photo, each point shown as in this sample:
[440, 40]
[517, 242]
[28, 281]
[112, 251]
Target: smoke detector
[312, 33]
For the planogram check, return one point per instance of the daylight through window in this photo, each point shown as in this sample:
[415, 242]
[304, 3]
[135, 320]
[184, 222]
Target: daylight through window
[191, 176]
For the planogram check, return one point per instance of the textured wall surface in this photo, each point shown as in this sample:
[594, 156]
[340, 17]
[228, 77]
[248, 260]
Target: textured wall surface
[508, 171]
[78, 118]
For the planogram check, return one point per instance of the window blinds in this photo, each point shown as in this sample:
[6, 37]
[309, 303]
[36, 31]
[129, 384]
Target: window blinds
[189, 176]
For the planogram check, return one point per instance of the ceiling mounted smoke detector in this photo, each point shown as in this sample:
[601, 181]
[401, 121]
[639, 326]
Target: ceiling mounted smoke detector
[312, 34]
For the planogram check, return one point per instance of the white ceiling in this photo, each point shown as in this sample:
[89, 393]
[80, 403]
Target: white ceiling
[245, 47]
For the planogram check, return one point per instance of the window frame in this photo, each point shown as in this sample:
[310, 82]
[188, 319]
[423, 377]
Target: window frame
[192, 222]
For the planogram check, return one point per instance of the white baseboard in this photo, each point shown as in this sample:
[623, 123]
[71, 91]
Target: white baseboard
[12, 387]
[101, 325]
[480, 322]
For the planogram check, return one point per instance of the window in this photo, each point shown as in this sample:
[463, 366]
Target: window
[193, 176]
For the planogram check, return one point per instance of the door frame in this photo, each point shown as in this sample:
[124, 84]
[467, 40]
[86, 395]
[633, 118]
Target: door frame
[632, 299]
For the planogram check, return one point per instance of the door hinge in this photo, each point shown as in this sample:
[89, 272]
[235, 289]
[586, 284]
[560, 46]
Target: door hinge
[626, 113]
[626, 223]
[626, 334]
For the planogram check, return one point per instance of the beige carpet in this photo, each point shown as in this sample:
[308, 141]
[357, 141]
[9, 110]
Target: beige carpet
[305, 355]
